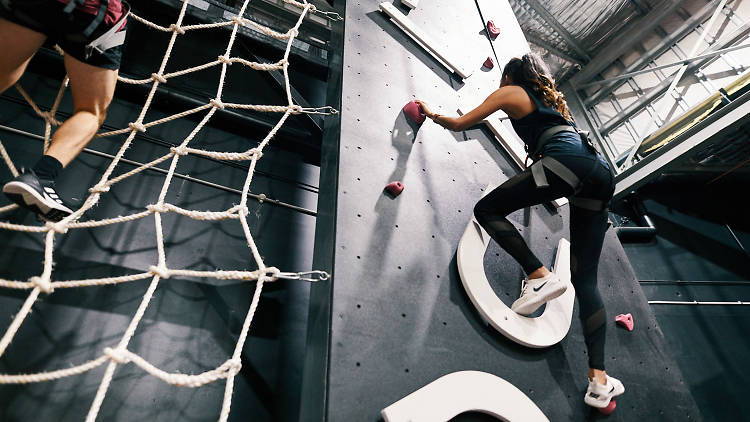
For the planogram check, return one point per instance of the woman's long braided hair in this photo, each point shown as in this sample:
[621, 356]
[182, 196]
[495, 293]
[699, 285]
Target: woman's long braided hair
[531, 72]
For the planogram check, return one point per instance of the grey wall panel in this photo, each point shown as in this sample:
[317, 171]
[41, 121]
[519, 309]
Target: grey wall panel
[401, 318]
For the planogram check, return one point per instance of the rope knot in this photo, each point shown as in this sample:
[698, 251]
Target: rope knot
[293, 32]
[159, 78]
[43, 284]
[225, 59]
[233, 366]
[273, 272]
[137, 126]
[57, 227]
[99, 189]
[238, 20]
[256, 153]
[162, 272]
[261, 197]
[180, 150]
[117, 355]
[176, 29]
[157, 208]
[49, 117]
[296, 109]
[217, 103]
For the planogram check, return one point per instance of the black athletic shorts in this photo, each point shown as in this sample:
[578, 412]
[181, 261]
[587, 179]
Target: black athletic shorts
[63, 29]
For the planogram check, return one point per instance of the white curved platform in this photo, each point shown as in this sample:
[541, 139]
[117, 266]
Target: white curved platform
[544, 331]
[464, 391]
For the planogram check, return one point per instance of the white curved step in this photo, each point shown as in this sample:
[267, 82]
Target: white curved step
[464, 391]
[543, 331]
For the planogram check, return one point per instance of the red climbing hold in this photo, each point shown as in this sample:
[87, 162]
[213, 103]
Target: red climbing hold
[609, 409]
[492, 30]
[489, 64]
[625, 320]
[394, 188]
[414, 112]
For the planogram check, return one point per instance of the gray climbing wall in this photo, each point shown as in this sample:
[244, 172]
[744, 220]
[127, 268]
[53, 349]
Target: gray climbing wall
[400, 317]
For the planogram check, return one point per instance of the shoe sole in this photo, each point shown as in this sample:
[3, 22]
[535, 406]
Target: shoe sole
[601, 405]
[532, 305]
[30, 199]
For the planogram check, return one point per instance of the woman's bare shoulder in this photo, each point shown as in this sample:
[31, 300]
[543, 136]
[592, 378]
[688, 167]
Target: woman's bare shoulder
[515, 102]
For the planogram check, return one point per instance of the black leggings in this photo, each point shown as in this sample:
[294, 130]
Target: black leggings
[587, 228]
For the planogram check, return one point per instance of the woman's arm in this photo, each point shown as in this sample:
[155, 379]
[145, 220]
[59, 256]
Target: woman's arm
[496, 101]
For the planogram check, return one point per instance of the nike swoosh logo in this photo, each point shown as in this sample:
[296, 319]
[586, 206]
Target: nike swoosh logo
[536, 289]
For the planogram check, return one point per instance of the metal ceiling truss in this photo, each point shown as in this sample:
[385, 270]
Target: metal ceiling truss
[549, 19]
[657, 91]
[552, 49]
[668, 42]
[623, 43]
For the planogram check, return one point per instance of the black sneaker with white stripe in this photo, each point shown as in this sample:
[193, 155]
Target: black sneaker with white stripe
[37, 195]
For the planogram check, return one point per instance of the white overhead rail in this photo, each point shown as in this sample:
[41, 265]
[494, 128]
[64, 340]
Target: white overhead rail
[465, 391]
[545, 330]
[676, 79]
[423, 39]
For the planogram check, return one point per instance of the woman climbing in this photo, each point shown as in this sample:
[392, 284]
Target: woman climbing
[91, 33]
[564, 165]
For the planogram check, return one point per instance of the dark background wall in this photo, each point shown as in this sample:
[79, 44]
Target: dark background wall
[708, 342]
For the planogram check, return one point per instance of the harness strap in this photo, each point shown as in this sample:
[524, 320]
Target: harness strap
[545, 136]
[98, 19]
[537, 171]
[72, 5]
[111, 38]
[556, 167]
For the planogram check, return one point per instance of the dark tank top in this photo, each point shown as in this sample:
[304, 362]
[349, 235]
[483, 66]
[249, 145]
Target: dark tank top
[544, 117]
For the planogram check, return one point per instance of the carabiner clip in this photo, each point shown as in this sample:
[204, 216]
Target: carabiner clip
[312, 276]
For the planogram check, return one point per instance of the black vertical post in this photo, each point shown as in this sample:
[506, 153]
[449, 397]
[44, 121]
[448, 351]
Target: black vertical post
[314, 392]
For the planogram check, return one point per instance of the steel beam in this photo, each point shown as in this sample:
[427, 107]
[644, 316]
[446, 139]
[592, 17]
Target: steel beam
[665, 66]
[642, 7]
[177, 175]
[630, 180]
[313, 122]
[541, 43]
[695, 302]
[315, 373]
[550, 20]
[656, 51]
[593, 128]
[624, 42]
[652, 95]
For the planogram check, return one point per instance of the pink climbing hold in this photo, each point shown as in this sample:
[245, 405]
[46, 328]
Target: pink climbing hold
[609, 409]
[394, 188]
[489, 64]
[625, 320]
[492, 30]
[414, 112]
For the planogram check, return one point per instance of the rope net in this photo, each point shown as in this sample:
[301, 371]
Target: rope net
[119, 353]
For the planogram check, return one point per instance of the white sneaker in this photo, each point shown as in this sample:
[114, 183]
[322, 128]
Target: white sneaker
[537, 292]
[599, 396]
